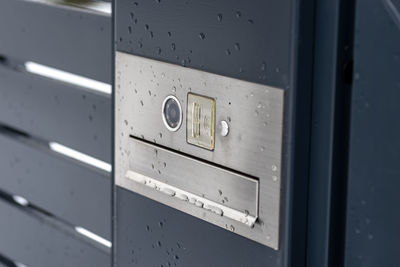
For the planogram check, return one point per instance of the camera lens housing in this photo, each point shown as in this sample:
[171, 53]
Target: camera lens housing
[171, 113]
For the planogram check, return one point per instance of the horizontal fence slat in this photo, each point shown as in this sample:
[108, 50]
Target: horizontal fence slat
[76, 193]
[71, 39]
[56, 111]
[35, 242]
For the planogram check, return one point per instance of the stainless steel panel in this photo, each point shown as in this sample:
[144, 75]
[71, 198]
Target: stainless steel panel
[248, 137]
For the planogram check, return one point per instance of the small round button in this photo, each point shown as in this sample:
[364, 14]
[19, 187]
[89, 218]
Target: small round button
[224, 128]
[172, 113]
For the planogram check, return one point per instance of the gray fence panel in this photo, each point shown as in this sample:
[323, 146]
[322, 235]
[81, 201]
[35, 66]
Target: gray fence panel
[76, 40]
[56, 111]
[373, 217]
[71, 39]
[35, 242]
[152, 234]
[243, 40]
[74, 192]
[255, 41]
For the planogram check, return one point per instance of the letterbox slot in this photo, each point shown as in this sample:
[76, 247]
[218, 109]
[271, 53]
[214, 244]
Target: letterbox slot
[172, 173]
[139, 139]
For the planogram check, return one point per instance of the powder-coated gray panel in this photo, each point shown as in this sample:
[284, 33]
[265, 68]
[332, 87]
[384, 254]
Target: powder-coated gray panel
[56, 111]
[274, 39]
[247, 40]
[70, 39]
[152, 235]
[75, 193]
[373, 217]
[38, 243]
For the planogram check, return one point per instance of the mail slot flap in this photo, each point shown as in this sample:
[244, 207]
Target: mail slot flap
[210, 182]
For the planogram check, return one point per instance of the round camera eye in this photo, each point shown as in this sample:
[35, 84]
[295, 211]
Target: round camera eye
[172, 113]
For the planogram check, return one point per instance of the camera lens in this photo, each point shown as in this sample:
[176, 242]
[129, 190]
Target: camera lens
[172, 113]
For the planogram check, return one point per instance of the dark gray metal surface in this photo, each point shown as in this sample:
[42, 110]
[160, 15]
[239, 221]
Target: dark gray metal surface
[332, 87]
[74, 192]
[152, 234]
[56, 111]
[245, 40]
[35, 241]
[78, 41]
[70, 39]
[373, 216]
[274, 48]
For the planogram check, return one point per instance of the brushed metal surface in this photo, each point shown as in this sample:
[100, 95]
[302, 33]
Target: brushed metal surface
[254, 114]
[221, 186]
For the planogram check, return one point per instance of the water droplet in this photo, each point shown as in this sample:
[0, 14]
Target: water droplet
[159, 243]
[146, 27]
[220, 192]
[238, 14]
[126, 122]
[173, 89]
[268, 237]
[183, 62]
[158, 50]
[274, 178]
[149, 93]
[357, 231]
[227, 52]
[250, 21]
[173, 46]
[176, 257]
[232, 228]
[370, 236]
[263, 66]
[256, 113]
[274, 168]
[141, 102]
[202, 36]
[169, 34]
[152, 166]
[165, 164]
[161, 224]
[131, 15]
[129, 29]
[147, 228]
[237, 46]
[140, 44]
[219, 17]
[151, 34]
[262, 148]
